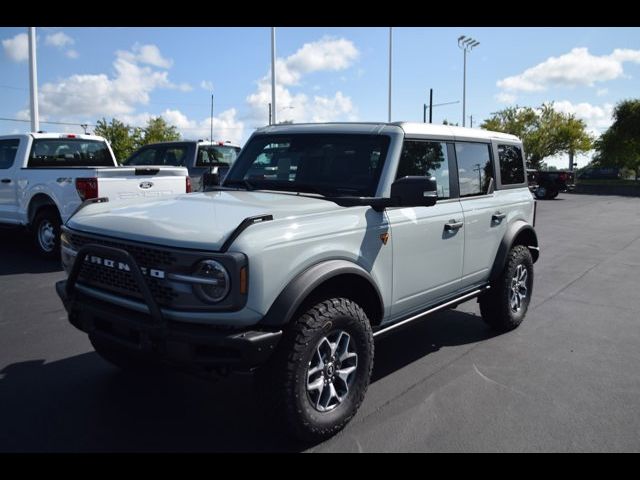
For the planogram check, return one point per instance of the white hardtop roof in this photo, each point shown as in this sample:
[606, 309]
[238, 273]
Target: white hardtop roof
[444, 132]
[80, 136]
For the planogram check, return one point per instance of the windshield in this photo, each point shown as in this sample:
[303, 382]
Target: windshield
[329, 164]
[69, 152]
[210, 155]
[168, 155]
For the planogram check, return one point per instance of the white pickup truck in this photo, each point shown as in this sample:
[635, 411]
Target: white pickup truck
[45, 177]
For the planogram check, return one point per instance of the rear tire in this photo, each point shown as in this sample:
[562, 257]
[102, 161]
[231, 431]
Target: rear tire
[505, 305]
[46, 233]
[318, 377]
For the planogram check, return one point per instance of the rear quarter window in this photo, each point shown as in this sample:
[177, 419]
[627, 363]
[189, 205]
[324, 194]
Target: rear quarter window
[511, 164]
[8, 150]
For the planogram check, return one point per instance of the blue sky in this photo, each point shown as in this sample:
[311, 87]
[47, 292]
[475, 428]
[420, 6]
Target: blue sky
[324, 74]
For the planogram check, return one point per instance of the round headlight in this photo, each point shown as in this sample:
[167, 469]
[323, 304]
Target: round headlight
[217, 285]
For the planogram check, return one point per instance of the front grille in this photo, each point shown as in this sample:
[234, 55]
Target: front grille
[144, 256]
[122, 282]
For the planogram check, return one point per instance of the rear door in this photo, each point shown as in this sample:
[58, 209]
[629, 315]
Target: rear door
[484, 215]
[8, 183]
[428, 242]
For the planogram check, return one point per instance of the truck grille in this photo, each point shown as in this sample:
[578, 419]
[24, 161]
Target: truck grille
[122, 282]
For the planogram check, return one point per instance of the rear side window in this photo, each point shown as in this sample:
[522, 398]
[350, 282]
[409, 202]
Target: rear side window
[175, 156]
[427, 159]
[68, 152]
[511, 165]
[216, 155]
[8, 150]
[474, 168]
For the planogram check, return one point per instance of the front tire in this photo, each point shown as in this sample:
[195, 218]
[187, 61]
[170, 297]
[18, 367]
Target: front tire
[46, 233]
[317, 378]
[505, 305]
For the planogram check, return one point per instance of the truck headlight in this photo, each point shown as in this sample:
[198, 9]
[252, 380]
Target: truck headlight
[214, 285]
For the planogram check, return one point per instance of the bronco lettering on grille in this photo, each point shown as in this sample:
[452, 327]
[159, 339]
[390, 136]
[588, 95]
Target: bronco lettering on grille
[105, 262]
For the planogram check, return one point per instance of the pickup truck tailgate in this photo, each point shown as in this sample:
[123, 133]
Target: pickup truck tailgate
[131, 183]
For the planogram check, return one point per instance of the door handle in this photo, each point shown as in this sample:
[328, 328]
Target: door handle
[452, 226]
[498, 217]
[6, 180]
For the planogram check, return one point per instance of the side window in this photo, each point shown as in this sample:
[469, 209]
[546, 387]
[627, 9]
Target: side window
[474, 168]
[511, 165]
[8, 150]
[430, 159]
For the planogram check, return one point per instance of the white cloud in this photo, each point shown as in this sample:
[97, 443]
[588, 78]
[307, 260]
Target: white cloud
[58, 39]
[602, 92]
[504, 97]
[96, 95]
[16, 48]
[71, 53]
[149, 54]
[326, 54]
[597, 118]
[206, 85]
[578, 67]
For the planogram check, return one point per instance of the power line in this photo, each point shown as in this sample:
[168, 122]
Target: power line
[77, 124]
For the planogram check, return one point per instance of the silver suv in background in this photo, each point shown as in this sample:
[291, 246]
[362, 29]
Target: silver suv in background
[200, 157]
[321, 238]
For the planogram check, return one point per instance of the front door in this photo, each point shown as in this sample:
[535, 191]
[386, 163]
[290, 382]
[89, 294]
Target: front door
[428, 242]
[8, 185]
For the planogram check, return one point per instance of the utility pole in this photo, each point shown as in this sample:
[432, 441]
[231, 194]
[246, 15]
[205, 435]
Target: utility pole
[269, 113]
[211, 137]
[424, 113]
[273, 75]
[390, 54]
[471, 120]
[430, 105]
[33, 80]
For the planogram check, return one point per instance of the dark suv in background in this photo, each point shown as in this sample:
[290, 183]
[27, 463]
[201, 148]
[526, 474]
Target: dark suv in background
[547, 184]
[199, 156]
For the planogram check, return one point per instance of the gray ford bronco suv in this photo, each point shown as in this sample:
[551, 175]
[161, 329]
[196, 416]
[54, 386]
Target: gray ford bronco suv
[321, 237]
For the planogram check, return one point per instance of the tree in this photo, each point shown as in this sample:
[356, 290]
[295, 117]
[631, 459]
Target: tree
[123, 138]
[158, 130]
[619, 146]
[544, 131]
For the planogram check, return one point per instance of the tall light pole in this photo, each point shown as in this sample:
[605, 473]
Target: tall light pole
[211, 133]
[390, 52]
[273, 75]
[33, 80]
[466, 44]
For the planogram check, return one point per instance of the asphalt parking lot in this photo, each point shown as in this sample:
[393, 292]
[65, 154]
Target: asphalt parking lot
[567, 380]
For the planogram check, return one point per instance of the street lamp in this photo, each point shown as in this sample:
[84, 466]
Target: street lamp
[466, 44]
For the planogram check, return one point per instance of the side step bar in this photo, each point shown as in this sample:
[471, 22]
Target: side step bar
[454, 301]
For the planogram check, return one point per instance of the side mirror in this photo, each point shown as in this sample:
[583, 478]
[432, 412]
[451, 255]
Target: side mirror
[210, 180]
[414, 192]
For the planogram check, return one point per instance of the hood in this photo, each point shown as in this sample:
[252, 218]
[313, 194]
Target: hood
[195, 220]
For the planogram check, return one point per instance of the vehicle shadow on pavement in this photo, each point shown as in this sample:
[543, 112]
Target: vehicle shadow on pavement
[17, 255]
[82, 403]
[447, 328]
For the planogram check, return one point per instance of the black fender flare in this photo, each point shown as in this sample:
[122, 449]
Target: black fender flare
[514, 230]
[294, 294]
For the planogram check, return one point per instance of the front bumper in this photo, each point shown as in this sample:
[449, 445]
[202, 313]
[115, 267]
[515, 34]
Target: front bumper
[188, 344]
[193, 345]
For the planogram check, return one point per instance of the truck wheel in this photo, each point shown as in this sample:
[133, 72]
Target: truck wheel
[46, 233]
[553, 194]
[121, 357]
[541, 193]
[317, 378]
[504, 306]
